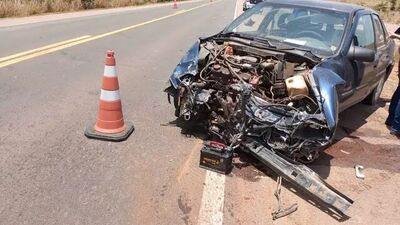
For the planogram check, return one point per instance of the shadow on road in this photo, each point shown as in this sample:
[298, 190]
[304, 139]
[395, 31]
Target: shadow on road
[244, 160]
[350, 121]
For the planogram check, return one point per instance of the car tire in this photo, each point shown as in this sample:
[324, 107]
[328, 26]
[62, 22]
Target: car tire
[373, 98]
[176, 104]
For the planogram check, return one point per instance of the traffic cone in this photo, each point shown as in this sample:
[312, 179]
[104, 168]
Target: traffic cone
[175, 5]
[110, 124]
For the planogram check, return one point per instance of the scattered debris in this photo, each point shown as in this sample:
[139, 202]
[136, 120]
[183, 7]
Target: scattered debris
[359, 171]
[300, 176]
[244, 94]
[345, 152]
[236, 91]
[217, 157]
[280, 211]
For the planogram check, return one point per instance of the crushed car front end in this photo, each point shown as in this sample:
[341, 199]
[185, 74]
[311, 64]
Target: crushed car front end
[236, 90]
[267, 86]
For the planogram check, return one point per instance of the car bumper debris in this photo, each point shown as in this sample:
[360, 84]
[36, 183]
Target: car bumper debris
[359, 171]
[280, 107]
[300, 176]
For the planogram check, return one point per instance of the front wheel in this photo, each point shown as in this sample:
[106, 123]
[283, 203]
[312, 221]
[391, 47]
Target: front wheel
[373, 98]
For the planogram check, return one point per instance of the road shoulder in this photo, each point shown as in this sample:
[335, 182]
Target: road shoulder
[16, 21]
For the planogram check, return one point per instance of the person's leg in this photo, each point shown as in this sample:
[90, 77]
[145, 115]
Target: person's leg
[396, 120]
[393, 106]
[394, 103]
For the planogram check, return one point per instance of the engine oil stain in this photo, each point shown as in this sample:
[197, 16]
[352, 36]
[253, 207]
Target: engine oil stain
[348, 154]
[248, 173]
[184, 206]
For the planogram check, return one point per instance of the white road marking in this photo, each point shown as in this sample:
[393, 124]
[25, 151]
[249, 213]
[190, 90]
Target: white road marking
[9, 60]
[212, 202]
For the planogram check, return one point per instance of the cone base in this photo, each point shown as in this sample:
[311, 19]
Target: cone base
[90, 132]
[109, 131]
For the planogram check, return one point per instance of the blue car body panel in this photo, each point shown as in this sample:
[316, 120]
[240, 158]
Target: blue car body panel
[187, 66]
[326, 82]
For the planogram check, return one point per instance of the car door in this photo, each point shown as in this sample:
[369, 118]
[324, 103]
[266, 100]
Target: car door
[383, 51]
[364, 72]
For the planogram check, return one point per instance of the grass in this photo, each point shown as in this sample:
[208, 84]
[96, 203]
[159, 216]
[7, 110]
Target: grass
[388, 9]
[14, 8]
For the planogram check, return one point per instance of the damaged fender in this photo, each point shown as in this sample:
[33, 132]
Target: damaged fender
[324, 86]
[187, 66]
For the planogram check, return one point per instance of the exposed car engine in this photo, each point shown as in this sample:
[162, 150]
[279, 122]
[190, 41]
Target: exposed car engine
[241, 91]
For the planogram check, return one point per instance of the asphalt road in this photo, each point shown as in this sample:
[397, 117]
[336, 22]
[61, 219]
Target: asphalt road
[51, 174]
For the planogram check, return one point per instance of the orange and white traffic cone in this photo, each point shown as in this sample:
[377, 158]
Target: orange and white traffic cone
[110, 124]
[175, 5]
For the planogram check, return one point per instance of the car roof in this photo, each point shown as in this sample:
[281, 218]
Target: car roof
[331, 5]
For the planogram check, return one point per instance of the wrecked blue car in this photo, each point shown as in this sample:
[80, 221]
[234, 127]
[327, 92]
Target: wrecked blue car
[273, 82]
[282, 72]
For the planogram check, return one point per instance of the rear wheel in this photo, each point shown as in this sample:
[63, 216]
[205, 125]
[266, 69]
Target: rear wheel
[373, 98]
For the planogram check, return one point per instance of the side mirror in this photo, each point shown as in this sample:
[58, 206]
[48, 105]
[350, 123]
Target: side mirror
[361, 54]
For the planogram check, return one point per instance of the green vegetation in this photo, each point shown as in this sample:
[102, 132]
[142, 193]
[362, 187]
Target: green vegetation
[388, 9]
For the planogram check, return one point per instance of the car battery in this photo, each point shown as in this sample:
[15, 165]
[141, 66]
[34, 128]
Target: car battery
[216, 157]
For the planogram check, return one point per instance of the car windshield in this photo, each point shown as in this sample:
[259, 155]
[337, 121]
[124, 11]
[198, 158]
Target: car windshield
[318, 30]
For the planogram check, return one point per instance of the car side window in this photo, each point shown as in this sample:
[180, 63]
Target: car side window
[365, 33]
[379, 32]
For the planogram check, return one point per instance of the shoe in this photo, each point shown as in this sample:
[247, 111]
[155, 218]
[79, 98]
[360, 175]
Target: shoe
[389, 126]
[396, 135]
[394, 132]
